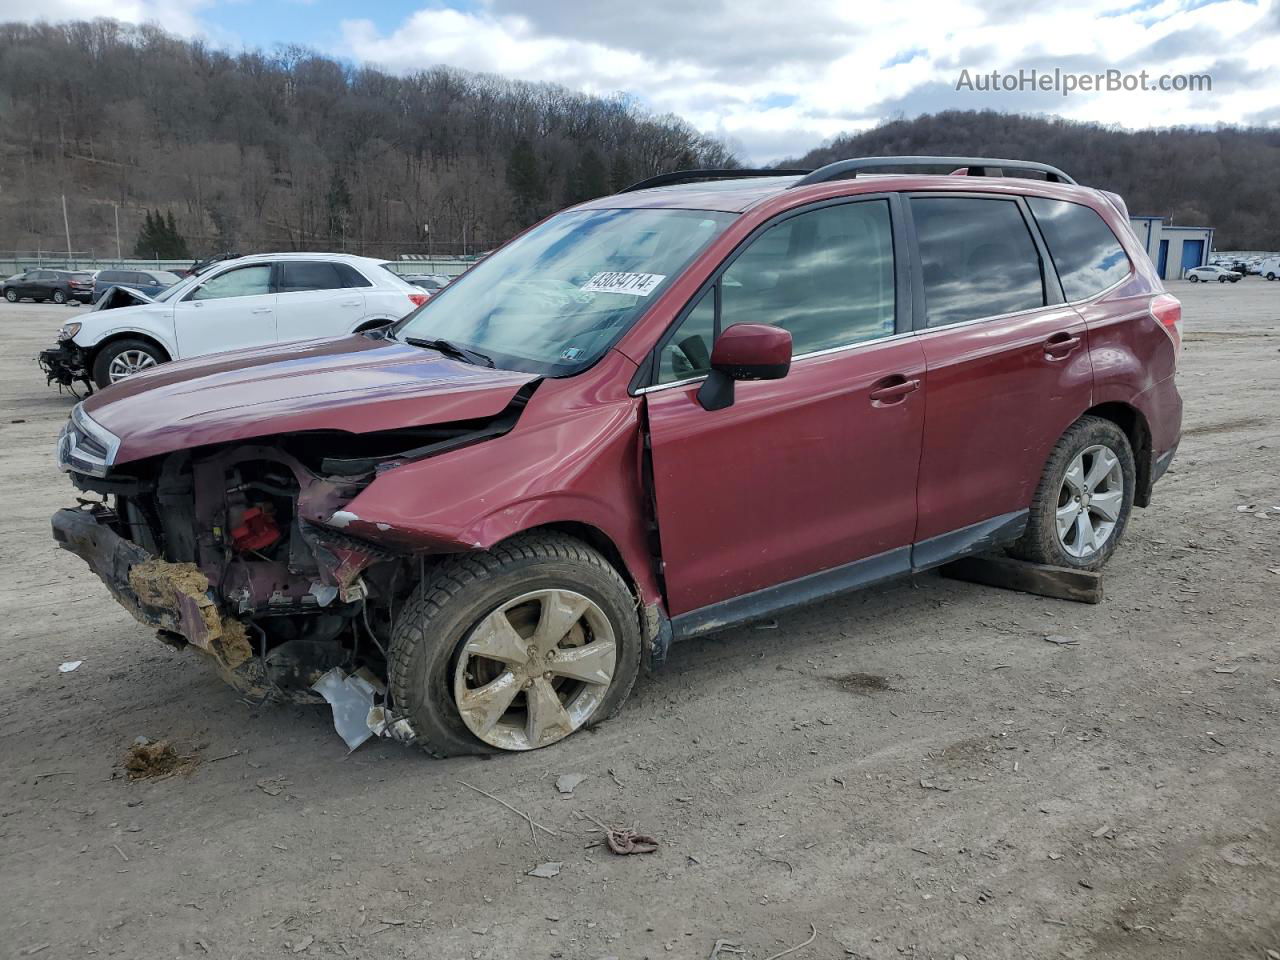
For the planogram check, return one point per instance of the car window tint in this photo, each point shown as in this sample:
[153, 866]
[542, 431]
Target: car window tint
[1087, 254]
[826, 276]
[688, 352]
[977, 259]
[240, 282]
[296, 276]
[351, 277]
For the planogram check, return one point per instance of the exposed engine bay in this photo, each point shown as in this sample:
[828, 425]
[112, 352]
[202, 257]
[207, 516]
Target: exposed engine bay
[239, 551]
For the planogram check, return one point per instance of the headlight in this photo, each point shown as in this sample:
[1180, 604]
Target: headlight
[68, 331]
[85, 446]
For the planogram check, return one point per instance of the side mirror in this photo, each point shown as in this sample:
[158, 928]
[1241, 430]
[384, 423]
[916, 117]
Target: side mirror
[744, 351]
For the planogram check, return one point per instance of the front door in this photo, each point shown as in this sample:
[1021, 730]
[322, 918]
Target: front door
[1008, 368]
[804, 475]
[232, 309]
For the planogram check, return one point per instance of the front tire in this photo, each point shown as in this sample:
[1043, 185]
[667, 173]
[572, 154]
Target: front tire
[11, 295]
[514, 648]
[1082, 505]
[123, 358]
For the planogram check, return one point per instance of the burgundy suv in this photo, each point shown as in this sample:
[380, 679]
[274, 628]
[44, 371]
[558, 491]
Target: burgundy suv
[708, 398]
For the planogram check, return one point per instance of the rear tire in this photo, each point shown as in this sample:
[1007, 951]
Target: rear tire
[59, 297]
[1193, 279]
[1076, 482]
[443, 637]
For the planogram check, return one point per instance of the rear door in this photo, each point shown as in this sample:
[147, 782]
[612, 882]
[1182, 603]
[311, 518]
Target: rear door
[231, 309]
[1008, 366]
[313, 300]
[811, 474]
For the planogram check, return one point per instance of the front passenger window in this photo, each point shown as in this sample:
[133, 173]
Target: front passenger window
[240, 282]
[826, 276]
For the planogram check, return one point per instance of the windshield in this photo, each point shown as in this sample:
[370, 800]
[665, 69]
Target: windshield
[554, 300]
[177, 290]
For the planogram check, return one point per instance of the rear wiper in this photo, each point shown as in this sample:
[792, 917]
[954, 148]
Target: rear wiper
[452, 350]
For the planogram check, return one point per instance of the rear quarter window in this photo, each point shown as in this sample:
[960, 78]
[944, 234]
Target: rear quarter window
[1087, 254]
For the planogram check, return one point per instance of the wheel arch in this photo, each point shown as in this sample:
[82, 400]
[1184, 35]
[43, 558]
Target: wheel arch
[96, 350]
[1131, 420]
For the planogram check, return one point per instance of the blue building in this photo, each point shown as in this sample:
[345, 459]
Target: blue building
[1174, 250]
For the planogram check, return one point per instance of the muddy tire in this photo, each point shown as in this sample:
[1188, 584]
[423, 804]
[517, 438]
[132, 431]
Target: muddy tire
[482, 661]
[123, 358]
[1082, 504]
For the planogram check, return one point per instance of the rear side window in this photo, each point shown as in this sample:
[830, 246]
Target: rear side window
[308, 275]
[351, 277]
[977, 257]
[1087, 254]
[112, 276]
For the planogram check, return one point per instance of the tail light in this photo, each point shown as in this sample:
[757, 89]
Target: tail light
[1168, 313]
[418, 299]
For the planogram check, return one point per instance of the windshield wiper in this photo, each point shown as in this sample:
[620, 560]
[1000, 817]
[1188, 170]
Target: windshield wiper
[450, 349]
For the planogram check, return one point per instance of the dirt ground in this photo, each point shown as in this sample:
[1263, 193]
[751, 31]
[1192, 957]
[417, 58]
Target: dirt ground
[913, 771]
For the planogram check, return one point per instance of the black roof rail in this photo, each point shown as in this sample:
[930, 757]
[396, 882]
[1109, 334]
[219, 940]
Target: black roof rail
[974, 166]
[692, 176]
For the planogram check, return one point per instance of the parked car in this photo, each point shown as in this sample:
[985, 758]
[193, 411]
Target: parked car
[150, 282]
[1206, 274]
[433, 283]
[1269, 267]
[655, 415]
[60, 286]
[247, 302]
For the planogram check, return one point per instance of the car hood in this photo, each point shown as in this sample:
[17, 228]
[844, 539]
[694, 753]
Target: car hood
[354, 384]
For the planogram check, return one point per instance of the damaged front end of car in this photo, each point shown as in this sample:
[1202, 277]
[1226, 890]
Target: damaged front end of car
[239, 551]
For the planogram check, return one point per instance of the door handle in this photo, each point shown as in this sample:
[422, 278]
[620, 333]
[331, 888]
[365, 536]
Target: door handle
[893, 390]
[260, 310]
[349, 303]
[1061, 344]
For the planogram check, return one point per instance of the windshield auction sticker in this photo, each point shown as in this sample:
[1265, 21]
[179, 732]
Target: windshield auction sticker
[636, 284]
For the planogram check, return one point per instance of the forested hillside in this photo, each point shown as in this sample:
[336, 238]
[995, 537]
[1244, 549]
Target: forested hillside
[292, 150]
[1227, 178]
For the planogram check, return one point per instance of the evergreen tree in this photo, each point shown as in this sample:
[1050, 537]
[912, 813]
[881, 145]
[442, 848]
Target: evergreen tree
[159, 238]
[527, 182]
[588, 179]
[620, 175]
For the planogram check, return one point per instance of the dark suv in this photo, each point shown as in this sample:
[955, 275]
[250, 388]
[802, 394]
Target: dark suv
[709, 398]
[150, 282]
[60, 286]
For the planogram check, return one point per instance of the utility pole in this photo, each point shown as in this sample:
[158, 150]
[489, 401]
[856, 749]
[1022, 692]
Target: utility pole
[118, 256]
[66, 225]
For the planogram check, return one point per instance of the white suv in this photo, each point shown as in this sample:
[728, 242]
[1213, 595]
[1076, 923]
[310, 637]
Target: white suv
[246, 302]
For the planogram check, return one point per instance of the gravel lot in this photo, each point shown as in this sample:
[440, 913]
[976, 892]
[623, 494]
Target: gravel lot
[914, 771]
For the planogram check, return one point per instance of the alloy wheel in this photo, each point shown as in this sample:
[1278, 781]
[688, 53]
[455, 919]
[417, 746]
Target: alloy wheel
[1090, 501]
[535, 670]
[128, 362]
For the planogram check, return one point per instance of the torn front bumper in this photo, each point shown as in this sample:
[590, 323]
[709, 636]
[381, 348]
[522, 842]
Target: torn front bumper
[173, 598]
[65, 364]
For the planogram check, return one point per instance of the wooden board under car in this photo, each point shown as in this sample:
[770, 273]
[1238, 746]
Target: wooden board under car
[1060, 583]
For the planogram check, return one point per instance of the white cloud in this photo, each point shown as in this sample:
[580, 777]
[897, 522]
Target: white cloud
[173, 15]
[779, 78]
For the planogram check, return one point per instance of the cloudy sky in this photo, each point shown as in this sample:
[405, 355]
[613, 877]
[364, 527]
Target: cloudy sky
[776, 78]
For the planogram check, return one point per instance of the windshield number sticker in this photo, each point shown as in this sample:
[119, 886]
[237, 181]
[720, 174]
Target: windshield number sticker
[636, 284]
